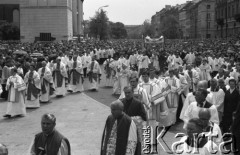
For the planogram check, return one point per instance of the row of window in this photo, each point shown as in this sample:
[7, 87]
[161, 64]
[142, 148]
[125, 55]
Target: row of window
[47, 3]
[229, 11]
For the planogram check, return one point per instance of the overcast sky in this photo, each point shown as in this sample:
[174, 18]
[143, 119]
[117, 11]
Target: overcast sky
[129, 12]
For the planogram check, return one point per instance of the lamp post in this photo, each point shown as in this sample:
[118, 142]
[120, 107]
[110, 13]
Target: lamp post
[100, 20]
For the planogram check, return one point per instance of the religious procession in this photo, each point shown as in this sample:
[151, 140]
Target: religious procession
[193, 83]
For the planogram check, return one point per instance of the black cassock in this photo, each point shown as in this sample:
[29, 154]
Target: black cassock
[231, 101]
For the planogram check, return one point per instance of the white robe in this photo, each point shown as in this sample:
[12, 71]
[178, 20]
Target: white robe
[109, 80]
[47, 76]
[79, 86]
[60, 91]
[34, 101]
[173, 97]
[123, 76]
[16, 91]
[96, 70]
[193, 110]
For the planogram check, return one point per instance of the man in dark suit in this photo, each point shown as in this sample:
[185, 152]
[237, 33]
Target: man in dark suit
[235, 128]
[231, 101]
[134, 108]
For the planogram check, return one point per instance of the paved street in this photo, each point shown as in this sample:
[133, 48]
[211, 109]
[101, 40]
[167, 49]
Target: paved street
[80, 117]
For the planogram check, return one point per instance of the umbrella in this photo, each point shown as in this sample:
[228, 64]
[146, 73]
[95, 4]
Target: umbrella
[36, 55]
[20, 52]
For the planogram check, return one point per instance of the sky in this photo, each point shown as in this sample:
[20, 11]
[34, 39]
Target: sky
[129, 12]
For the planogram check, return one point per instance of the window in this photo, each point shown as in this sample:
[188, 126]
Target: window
[45, 37]
[42, 3]
[229, 12]
[233, 13]
[208, 6]
[208, 36]
[208, 25]
[208, 16]
[33, 2]
[52, 2]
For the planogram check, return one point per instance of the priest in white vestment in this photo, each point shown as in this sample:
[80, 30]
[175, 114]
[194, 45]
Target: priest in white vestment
[173, 97]
[32, 80]
[59, 75]
[108, 71]
[194, 108]
[16, 94]
[217, 97]
[46, 81]
[94, 73]
[76, 76]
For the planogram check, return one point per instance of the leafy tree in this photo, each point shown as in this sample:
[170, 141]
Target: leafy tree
[117, 30]
[170, 27]
[147, 29]
[9, 31]
[98, 25]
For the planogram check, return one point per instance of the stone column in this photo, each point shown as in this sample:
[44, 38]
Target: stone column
[80, 16]
[74, 16]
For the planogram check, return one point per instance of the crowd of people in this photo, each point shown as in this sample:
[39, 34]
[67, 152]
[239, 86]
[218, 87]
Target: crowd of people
[193, 81]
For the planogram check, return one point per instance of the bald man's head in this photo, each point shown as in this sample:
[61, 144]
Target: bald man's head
[204, 114]
[117, 108]
[202, 85]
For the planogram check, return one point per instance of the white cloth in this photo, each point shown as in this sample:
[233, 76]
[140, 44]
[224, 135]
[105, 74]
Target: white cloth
[34, 101]
[217, 98]
[60, 90]
[96, 70]
[79, 86]
[193, 110]
[16, 102]
[47, 76]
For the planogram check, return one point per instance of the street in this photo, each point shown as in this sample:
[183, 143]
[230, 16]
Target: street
[80, 117]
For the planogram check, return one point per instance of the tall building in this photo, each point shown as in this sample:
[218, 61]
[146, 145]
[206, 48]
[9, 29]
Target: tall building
[227, 17]
[184, 20]
[202, 19]
[44, 20]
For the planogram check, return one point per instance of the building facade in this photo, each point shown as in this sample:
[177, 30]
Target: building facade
[184, 20]
[227, 18]
[45, 20]
[202, 19]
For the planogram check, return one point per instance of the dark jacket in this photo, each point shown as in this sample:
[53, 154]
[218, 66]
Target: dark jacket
[134, 107]
[52, 141]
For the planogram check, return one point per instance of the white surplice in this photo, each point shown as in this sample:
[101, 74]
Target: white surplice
[78, 87]
[48, 80]
[60, 91]
[34, 101]
[96, 70]
[16, 96]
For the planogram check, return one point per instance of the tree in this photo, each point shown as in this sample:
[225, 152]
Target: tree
[9, 31]
[98, 25]
[147, 29]
[170, 27]
[117, 30]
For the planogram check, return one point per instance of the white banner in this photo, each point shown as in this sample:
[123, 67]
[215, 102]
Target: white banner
[155, 40]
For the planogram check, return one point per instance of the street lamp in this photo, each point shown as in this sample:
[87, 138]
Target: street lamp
[105, 6]
[100, 21]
